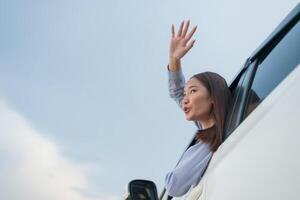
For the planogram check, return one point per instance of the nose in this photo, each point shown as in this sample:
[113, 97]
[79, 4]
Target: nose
[185, 100]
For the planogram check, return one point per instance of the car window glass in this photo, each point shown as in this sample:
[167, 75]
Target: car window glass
[274, 68]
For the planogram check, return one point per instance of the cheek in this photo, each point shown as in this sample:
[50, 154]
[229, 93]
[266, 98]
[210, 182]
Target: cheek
[202, 103]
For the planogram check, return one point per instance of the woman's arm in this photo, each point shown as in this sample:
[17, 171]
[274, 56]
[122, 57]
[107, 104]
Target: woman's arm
[176, 85]
[178, 48]
[189, 170]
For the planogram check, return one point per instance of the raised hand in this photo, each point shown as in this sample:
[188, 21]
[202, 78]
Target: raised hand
[180, 44]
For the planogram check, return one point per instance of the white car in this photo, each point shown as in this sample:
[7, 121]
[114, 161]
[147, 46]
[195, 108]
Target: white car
[258, 159]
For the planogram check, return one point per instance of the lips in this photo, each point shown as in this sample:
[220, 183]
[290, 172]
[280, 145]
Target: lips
[186, 110]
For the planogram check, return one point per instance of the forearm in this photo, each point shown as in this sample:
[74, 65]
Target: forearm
[176, 84]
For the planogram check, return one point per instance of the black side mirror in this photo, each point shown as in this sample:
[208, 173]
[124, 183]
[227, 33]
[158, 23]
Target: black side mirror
[142, 190]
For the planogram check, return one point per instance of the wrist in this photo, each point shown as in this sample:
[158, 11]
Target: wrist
[174, 59]
[174, 64]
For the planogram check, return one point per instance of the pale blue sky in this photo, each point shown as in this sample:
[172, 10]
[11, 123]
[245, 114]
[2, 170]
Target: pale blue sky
[90, 76]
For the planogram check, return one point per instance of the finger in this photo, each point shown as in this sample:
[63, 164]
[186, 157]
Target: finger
[190, 34]
[186, 28]
[180, 29]
[173, 31]
[190, 45]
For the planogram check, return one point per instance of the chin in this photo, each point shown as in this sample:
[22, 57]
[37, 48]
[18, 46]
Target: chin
[189, 118]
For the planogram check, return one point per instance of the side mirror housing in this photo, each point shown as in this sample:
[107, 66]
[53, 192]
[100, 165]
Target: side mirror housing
[142, 190]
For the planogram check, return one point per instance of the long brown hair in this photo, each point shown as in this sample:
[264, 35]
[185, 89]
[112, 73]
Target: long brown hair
[221, 96]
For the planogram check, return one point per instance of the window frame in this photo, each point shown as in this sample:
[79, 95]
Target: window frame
[235, 116]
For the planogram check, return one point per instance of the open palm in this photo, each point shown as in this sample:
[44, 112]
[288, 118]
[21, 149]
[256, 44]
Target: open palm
[180, 44]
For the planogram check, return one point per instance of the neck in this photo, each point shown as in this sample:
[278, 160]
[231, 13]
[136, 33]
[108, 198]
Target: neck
[207, 123]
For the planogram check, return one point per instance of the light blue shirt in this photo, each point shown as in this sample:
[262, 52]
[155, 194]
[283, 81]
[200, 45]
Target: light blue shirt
[194, 160]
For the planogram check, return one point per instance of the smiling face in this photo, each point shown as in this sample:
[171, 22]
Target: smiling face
[197, 103]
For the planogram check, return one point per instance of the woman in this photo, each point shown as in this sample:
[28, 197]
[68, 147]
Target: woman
[205, 99]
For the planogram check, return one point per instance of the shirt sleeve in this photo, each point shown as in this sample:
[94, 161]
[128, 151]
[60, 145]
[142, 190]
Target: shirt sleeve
[189, 170]
[176, 85]
[176, 88]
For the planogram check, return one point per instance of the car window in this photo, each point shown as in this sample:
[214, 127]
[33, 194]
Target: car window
[272, 69]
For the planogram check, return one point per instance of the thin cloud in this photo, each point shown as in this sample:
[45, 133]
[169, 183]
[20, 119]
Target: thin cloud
[32, 168]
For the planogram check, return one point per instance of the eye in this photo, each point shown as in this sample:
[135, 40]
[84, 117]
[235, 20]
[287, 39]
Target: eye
[193, 91]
